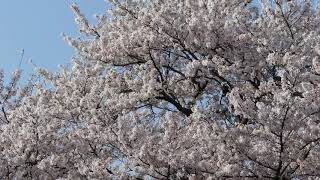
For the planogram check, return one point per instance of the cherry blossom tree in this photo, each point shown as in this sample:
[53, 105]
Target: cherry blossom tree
[181, 89]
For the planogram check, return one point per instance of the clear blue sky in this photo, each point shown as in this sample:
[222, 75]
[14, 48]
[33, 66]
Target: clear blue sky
[36, 26]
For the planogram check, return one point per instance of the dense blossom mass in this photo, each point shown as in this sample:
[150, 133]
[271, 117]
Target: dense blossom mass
[179, 89]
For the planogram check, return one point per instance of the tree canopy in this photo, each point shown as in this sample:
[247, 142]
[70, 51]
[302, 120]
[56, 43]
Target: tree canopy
[180, 89]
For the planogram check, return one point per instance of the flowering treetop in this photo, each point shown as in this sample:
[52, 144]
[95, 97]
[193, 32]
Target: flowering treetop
[181, 89]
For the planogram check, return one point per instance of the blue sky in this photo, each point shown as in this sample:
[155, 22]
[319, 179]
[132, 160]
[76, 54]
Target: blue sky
[36, 26]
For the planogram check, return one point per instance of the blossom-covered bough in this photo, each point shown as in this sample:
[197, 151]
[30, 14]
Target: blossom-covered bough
[180, 89]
